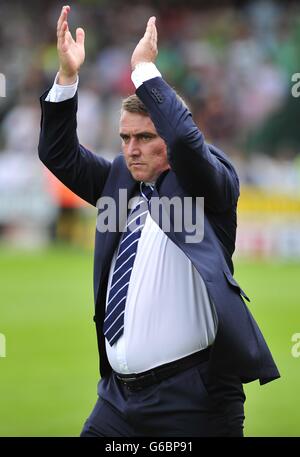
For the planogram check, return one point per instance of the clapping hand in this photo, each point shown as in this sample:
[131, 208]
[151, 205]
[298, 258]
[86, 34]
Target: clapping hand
[146, 49]
[71, 53]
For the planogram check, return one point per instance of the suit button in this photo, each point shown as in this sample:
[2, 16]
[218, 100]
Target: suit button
[157, 95]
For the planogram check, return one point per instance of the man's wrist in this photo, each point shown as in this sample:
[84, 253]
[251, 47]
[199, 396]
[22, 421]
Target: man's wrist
[60, 92]
[144, 71]
[66, 80]
[143, 64]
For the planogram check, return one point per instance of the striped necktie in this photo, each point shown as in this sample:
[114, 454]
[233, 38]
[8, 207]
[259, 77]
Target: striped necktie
[114, 316]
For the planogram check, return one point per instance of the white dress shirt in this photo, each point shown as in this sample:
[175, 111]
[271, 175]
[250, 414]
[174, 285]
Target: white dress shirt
[168, 313]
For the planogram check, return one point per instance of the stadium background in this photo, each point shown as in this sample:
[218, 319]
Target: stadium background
[233, 62]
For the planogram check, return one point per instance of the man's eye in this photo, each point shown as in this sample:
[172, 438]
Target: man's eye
[125, 139]
[146, 138]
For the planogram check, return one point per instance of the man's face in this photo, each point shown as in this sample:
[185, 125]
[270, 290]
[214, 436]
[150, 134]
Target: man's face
[145, 152]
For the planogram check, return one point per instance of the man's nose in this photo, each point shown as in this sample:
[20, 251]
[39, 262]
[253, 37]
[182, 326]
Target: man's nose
[133, 147]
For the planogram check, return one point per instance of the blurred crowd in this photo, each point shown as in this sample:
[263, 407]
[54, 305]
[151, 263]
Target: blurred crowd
[231, 61]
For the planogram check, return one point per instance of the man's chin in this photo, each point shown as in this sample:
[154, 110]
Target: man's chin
[139, 176]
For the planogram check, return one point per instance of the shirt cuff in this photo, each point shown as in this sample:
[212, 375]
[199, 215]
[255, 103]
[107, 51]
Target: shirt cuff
[144, 71]
[59, 93]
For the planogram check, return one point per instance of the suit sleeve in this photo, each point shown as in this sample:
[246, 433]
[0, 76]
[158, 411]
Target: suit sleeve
[79, 169]
[201, 169]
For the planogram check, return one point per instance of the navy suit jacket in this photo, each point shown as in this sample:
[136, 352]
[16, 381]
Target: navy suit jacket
[197, 169]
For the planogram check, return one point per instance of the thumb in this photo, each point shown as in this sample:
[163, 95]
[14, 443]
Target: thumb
[80, 36]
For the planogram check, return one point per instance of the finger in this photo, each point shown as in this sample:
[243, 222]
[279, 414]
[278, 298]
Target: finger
[67, 41]
[155, 31]
[68, 38]
[62, 25]
[63, 16]
[149, 29]
[62, 33]
[80, 36]
[154, 35]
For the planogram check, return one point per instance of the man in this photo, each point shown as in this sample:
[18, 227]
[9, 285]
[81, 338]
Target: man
[176, 340]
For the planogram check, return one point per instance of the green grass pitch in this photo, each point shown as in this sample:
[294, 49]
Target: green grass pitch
[48, 378]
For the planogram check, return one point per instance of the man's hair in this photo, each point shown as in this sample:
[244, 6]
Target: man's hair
[133, 104]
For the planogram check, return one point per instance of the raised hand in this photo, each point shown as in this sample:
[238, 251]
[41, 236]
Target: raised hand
[146, 49]
[71, 53]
